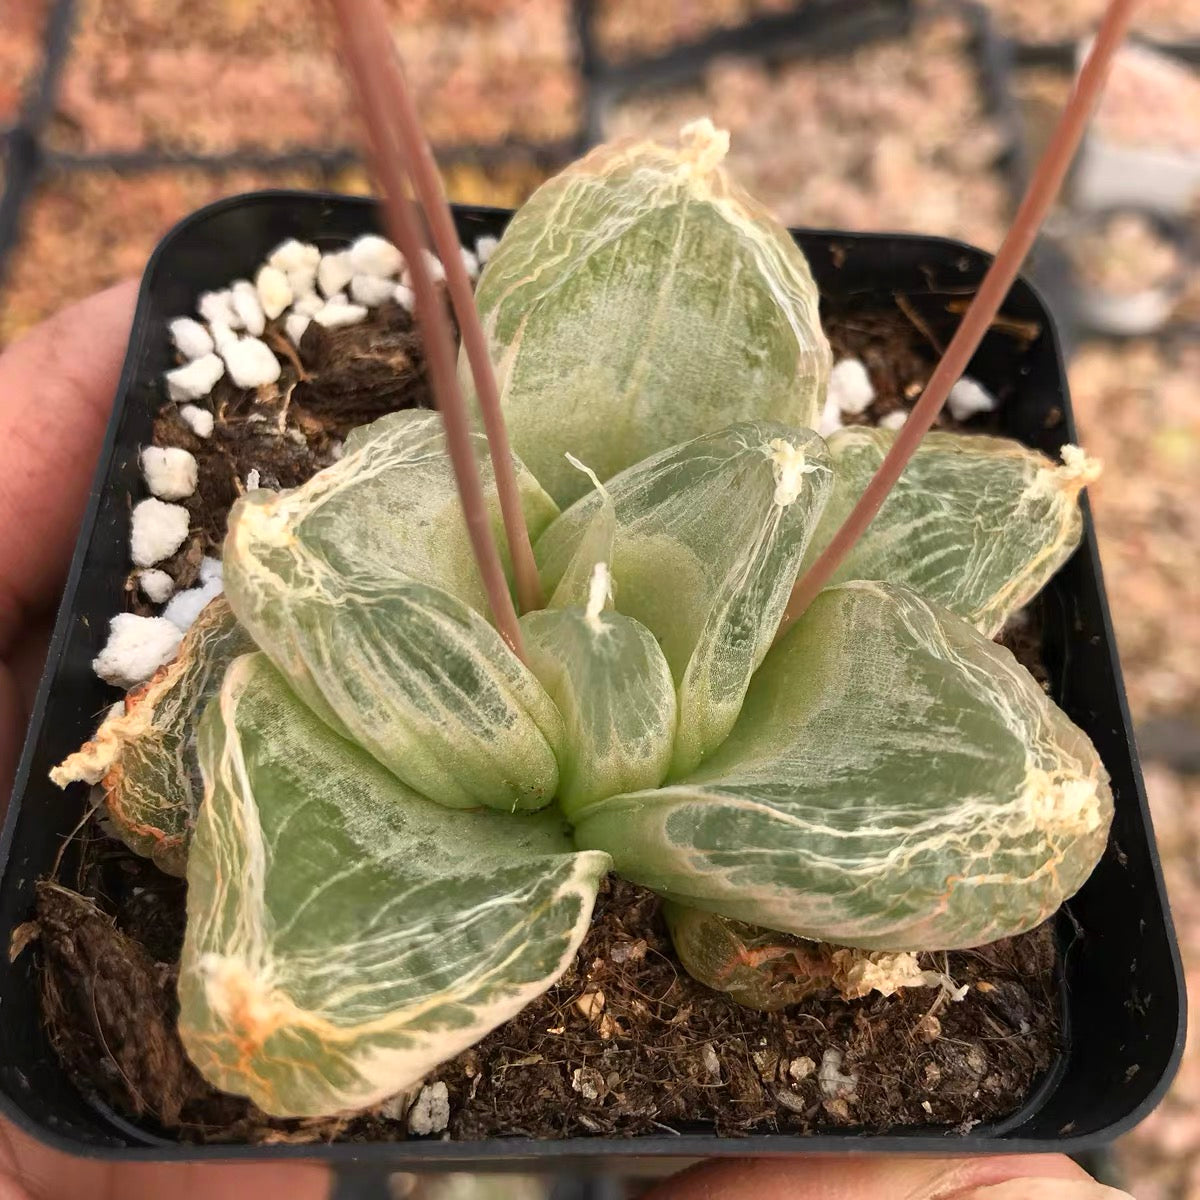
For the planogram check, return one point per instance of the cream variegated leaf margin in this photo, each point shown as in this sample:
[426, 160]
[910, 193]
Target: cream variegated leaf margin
[344, 934]
[763, 969]
[391, 503]
[709, 537]
[977, 524]
[361, 587]
[144, 755]
[640, 298]
[894, 781]
[610, 681]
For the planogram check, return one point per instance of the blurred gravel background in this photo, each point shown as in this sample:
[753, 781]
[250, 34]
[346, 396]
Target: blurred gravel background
[118, 117]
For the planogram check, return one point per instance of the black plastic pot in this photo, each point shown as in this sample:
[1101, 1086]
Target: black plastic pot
[1122, 990]
[1065, 54]
[1132, 314]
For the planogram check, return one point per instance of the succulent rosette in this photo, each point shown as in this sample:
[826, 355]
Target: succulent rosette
[402, 825]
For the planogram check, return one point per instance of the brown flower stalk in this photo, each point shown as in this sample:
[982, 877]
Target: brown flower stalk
[422, 170]
[1043, 188]
[371, 58]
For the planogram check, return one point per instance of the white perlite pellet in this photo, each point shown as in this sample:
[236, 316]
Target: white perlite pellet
[194, 380]
[437, 272]
[171, 473]
[156, 585]
[373, 255]
[157, 531]
[893, 420]
[223, 336]
[405, 297]
[340, 313]
[309, 305]
[850, 386]
[252, 363]
[295, 324]
[831, 416]
[191, 339]
[334, 272]
[430, 1112]
[274, 291]
[968, 398]
[834, 1082]
[303, 280]
[136, 648]
[298, 261]
[186, 606]
[293, 256]
[198, 420]
[371, 290]
[485, 247]
[471, 263]
[217, 308]
[249, 310]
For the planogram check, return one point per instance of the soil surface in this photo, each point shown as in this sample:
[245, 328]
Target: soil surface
[626, 1043]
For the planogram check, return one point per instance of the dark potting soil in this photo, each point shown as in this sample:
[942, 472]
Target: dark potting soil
[626, 1043]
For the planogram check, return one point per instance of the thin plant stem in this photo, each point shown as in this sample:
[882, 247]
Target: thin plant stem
[367, 59]
[1043, 188]
[423, 172]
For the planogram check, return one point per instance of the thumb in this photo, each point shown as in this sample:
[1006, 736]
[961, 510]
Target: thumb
[1016, 1177]
[31, 1171]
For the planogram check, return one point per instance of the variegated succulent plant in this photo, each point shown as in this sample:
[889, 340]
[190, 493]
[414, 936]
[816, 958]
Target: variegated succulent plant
[403, 825]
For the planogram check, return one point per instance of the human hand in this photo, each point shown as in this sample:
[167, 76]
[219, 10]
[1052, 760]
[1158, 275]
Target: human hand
[888, 1177]
[56, 391]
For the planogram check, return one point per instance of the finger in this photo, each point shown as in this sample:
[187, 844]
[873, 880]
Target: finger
[197, 1181]
[1039, 1177]
[28, 1167]
[13, 718]
[32, 1171]
[18, 685]
[56, 392]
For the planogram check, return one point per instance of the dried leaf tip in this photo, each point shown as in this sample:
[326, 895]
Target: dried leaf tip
[582, 466]
[702, 146]
[857, 973]
[790, 465]
[1078, 469]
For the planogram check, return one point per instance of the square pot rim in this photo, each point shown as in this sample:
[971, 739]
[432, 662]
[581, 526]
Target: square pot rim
[448, 1154]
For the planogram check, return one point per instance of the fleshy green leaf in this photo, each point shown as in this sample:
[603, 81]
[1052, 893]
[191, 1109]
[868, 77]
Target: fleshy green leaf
[390, 504]
[757, 967]
[361, 588]
[608, 677]
[895, 781]
[767, 970]
[976, 524]
[345, 935]
[641, 298]
[145, 754]
[709, 537]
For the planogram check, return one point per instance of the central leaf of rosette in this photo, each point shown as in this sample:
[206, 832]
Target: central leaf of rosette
[702, 543]
[362, 589]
